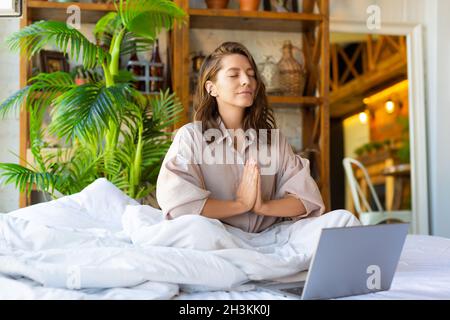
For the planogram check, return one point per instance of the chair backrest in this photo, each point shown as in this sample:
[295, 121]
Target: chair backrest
[355, 188]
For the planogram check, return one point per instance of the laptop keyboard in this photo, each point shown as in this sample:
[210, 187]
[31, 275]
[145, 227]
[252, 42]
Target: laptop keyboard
[296, 290]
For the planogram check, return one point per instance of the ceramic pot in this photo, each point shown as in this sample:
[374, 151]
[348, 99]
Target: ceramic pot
[217, 4]
[249, 5]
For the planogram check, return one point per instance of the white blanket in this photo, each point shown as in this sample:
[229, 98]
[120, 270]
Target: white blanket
[99, 243]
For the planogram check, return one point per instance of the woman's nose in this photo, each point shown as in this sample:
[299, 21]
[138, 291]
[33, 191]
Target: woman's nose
[245, 80]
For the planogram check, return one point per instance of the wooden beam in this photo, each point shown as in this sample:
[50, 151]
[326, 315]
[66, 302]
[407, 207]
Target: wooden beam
[324, 110]
[180, 70]
[394, 45]
[364, 83]
[403, 46]
[350, 64]
[316, 50]
[335, 67]
[371, 63]
[310, 80]
[348, 107]
[379, 45]
[24, 72]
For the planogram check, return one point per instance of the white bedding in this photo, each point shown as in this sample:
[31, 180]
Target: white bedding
[422, 273]
[100, 244]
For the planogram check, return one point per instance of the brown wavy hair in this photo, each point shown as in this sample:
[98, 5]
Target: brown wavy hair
[258, 116]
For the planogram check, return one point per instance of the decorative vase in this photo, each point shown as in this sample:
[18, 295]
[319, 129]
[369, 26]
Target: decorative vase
[249, 5]
[270, 75]
[217, 4]
[292, 73]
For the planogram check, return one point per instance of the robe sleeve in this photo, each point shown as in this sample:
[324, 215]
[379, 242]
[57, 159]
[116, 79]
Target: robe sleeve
[180, 187]
[294, 179]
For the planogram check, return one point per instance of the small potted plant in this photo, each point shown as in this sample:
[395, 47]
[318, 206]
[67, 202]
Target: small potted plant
[217, 4]
[359, 151]
[249, 5]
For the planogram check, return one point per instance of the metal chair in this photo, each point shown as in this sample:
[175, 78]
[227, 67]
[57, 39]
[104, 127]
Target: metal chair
[370, 216]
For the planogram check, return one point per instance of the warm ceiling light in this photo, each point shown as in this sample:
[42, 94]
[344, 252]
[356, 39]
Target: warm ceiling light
[390, 106]
[386, 93]
[363, 117]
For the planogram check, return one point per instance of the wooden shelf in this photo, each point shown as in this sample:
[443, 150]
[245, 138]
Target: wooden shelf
[63, 5]
[253, 20]
[56, 11]
[199, 18]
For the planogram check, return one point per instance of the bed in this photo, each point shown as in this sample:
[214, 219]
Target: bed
[100, 244]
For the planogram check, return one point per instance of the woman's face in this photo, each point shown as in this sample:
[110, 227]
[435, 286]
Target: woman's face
[235, 83]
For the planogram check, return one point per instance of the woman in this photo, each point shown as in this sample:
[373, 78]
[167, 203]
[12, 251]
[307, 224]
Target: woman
[232, 118]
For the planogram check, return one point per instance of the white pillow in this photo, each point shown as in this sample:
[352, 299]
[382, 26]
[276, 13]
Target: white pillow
[99, 205]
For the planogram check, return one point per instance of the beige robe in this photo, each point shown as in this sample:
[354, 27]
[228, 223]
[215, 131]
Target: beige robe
[188, 178]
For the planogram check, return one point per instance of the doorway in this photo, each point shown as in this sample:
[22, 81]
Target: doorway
[377, 114]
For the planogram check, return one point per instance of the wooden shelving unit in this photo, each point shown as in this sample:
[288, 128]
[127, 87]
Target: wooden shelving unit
[57, 11]
[252, 20]
[313, 28]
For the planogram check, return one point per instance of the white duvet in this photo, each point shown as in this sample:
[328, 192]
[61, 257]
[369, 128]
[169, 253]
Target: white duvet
[99, 243]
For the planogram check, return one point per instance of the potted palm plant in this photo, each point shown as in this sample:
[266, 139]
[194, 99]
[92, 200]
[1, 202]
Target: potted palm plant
[110, 128]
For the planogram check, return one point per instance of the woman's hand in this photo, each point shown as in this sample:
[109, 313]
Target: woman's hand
[259, 203]
[247, 190]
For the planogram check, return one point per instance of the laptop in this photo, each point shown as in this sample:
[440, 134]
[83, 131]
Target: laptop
[348, 261]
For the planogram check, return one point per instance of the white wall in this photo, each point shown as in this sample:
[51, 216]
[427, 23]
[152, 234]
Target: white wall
[434, 15]
[356, 134]
[439, 122]
[9, 127]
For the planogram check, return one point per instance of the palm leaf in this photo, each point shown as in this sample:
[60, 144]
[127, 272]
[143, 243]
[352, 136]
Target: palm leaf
[77, 170]
[24, 178]
[86, 110]
[42, 89]
[34, 37]
[134, 43]
[13, 102]
[145, 190]
[124, 76]
[154, 152]
[146, 18]
[107, 25]
[164, 111]
[45, 87]
[36, 134]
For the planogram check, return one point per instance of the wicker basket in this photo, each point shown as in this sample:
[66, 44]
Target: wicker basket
[292, 73]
